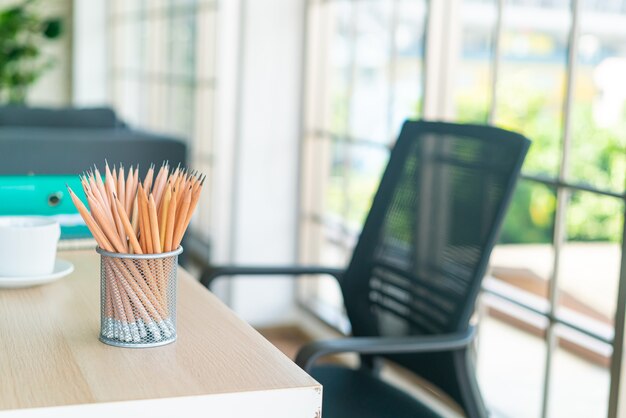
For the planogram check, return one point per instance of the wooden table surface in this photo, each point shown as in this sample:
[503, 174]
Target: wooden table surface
[51, 359]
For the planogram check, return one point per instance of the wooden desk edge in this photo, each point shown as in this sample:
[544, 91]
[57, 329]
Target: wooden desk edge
[303, 402]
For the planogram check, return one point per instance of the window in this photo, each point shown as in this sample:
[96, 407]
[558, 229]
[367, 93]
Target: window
[163, 74]
[364, 79]
[549, 69]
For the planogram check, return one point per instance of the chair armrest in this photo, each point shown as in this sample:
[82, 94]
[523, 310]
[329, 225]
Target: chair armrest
[211, 273]
[309, 354]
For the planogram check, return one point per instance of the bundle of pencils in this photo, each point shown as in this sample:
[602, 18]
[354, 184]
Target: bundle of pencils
[127, 216]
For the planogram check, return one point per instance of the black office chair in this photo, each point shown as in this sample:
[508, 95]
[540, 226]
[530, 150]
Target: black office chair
[417, 268]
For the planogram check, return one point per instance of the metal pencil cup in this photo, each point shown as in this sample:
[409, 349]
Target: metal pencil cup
[138, 298]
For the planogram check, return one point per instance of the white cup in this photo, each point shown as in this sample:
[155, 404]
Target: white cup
[28, 245]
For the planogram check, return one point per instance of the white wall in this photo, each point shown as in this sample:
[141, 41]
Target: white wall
[90, 56]
[265, 156]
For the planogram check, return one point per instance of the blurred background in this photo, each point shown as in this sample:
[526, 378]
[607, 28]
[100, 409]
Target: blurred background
[291, 106]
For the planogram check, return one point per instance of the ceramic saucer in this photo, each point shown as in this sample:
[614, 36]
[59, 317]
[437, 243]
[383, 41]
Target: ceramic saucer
[61, 269]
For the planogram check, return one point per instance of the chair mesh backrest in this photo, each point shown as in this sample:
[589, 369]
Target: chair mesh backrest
[417, 267]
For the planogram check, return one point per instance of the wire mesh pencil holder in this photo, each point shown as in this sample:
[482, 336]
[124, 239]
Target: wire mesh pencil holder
[138, 298]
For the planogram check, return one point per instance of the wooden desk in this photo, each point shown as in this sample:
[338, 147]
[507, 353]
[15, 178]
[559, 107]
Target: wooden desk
[52, 364]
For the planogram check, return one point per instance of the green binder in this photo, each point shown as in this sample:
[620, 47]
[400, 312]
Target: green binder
[44, 195]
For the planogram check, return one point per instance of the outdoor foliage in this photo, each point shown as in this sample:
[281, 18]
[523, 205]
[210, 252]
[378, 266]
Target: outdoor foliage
[598, 159]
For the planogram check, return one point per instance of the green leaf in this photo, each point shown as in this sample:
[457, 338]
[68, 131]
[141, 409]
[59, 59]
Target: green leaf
[53, 28]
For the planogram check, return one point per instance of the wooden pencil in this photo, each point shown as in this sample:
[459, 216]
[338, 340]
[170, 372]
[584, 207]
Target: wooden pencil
[100, 185]
[147, 183]
[160, 184]
[181, 215]
[138, 297]
[118, 307]
[195, 197]
[118, 223]
[127, 314]
[93, 187]
[145, 221]
[111, 189]
[109, 178]
[175, 174]
[104, 223]
[99, 194]
[121, 186]
[154, 225]
[170, 225]
[132, 237]
[96, 231]
[129, 198]
[110, 314]
[136, 180]
[165, 204]
[135, 217]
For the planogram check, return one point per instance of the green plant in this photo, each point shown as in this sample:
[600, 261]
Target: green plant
[22, 31]
[598, 159]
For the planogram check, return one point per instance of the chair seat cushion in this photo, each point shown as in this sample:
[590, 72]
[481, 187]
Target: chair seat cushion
[357, 393]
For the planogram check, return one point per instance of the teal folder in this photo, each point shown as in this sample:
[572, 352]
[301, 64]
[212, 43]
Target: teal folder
[44, 196]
